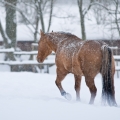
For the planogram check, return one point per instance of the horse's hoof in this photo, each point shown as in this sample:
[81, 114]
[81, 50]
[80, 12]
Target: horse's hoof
[78, 99]
[68, 96]
[115, 105]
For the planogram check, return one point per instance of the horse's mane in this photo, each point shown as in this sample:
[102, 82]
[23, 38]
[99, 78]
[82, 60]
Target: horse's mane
[63, 34]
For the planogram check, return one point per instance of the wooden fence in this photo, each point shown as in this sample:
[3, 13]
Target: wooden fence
[47, 63]
[31, 62]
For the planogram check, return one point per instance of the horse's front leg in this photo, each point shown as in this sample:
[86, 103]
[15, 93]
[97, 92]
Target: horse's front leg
[60, 76]
[77, 86]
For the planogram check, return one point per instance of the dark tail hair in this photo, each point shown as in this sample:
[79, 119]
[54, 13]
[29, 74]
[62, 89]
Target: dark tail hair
[107, 78]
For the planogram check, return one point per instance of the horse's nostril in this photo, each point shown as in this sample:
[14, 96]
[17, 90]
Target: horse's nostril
[39, 59]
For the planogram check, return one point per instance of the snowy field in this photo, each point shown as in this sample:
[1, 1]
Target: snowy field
[34, 96]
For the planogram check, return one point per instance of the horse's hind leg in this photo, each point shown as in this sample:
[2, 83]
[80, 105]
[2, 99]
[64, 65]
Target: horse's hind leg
[60, 76]
[77, 86]
[90, 83]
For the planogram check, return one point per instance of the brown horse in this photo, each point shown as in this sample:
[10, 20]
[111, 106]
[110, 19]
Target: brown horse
[82, 58]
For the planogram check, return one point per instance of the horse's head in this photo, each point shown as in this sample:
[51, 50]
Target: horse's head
[43, 48]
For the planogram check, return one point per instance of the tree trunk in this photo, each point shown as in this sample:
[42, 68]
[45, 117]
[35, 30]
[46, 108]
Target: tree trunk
[50, 17]
[9, 56]
[116, 17]
[6, 44]
[36, 25]
[41, 16]
[82, 17]
[11, 26]
[11, 22]
[36, 28]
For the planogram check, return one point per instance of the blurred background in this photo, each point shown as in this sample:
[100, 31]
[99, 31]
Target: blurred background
[21, 21]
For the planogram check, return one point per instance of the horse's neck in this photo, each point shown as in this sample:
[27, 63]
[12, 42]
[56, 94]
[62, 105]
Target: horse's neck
[54, 40]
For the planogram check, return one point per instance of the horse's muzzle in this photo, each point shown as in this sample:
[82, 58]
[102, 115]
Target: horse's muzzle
[39, 60]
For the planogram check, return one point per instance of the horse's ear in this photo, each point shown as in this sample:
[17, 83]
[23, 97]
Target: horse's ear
[41, 32]
[52, 30]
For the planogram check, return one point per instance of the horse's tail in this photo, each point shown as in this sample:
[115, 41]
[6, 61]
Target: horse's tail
[107, 78]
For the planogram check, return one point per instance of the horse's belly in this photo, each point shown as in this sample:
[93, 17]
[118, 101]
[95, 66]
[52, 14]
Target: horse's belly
[74, 69]
[77, 70]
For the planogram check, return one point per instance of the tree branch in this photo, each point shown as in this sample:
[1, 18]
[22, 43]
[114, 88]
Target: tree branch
[90, 5]
[19, 10]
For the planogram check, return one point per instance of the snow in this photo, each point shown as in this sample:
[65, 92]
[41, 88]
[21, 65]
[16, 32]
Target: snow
[114, 48]
[26, 53]
[117, 57]
[34, 96]
[117, 68]
[26, 62]
[7, 50]
[34, 44]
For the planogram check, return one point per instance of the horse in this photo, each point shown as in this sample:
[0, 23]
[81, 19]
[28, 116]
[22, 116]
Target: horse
[81, 58]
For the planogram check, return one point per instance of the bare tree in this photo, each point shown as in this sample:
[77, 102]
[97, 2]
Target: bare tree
[5, 37]
[9, 35]
[41, 7]
[117, 14]
[7, 43]
[41, 14]
[50, 16]
[100, 14]
[113, 12]
[83, 12]
[11, 22]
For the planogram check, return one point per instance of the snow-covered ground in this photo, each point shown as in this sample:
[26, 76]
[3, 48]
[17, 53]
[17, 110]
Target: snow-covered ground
[34, 96]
